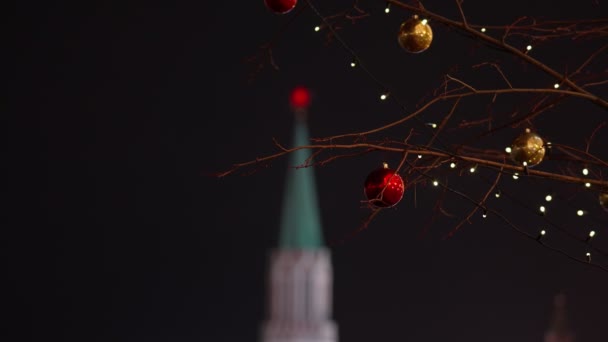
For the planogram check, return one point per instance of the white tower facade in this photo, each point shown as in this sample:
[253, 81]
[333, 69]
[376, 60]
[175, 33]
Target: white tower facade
[300, 297]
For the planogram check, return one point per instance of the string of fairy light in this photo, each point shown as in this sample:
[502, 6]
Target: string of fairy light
[542, 210]
[542, 232]
[356, 62]
[540, 237]
[594, 222]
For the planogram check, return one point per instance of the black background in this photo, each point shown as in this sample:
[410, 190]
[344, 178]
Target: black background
[117, 232]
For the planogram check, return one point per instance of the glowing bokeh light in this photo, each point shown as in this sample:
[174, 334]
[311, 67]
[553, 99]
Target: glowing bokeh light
[300, 97]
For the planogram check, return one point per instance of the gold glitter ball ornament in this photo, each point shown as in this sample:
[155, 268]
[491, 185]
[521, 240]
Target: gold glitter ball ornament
[604, 200]
[528, 149]
[415, 35]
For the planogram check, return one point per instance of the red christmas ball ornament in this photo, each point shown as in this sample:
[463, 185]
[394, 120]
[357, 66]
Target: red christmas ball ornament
[384, 187]
[280, 6]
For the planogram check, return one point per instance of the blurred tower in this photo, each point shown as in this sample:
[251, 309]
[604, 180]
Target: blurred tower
[559, 329]
[300, 279]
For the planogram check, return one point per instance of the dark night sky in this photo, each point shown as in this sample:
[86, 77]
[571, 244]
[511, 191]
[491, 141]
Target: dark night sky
[114, 231]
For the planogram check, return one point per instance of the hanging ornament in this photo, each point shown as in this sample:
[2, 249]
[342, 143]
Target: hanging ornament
[604, 200]
[528, 149]
[384, 187]
[415, 35]
[280, 6]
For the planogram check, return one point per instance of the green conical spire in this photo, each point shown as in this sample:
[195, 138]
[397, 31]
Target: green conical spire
[300, 220]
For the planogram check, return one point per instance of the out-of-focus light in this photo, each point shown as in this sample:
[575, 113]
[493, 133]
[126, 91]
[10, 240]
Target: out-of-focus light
[587, 185]
[548, 198]
[508, 149]
[541, 234]
[317, 28]
[529, 47]
[420, 156]
[387, 10]
[585, 171]
[353, 64]
[580, 212]
[590, 236]
[556, 85]
[435, 183]
[300, 97]
[472, 170]
[497, 195]
[516, 175]
[542, 209]
[424, 22]
[483, 29]
[452, 165]
[383, 97]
